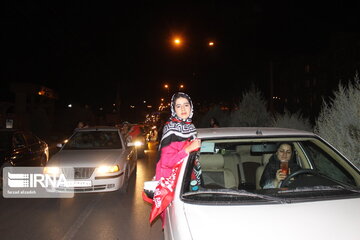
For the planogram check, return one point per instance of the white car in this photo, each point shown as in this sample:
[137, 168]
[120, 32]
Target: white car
[320, 201]
[99, 157]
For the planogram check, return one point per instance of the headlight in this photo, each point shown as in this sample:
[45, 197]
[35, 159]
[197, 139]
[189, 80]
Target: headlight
[107, 169]
[138, 143]
[52, 171]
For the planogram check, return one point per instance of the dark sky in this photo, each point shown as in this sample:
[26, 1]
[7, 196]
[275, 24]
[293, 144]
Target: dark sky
[85, 50]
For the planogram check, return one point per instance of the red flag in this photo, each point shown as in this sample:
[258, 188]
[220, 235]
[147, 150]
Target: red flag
[164, 192]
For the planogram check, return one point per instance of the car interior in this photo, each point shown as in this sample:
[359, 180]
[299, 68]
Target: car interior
[240, 165]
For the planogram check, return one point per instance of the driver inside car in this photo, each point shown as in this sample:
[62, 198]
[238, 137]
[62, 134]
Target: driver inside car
[280, 165]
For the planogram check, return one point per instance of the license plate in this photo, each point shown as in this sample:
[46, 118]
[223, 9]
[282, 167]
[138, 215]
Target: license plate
[77, 183]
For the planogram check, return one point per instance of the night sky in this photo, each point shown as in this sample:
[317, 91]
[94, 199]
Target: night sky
[86, 50]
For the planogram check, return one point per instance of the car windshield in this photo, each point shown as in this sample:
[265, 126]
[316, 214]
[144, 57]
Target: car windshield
[94, 140]
[243, 170]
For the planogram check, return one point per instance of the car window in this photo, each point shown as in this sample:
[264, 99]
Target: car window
[30, 138]
[18, 140]
[233, 165]
[327, 165]
[94, 140]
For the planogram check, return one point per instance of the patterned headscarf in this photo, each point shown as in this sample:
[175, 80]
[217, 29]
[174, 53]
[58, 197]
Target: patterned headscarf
[178, 129]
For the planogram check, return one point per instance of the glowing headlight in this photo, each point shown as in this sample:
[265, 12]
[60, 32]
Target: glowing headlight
[52, 171]
[107, 169]
[138, 143]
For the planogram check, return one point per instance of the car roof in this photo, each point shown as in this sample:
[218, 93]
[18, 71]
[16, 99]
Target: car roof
[250, 132]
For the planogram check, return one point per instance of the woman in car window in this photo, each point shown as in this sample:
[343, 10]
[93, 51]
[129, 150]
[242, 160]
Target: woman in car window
[178, 138]
[274, 173]
[178, 135]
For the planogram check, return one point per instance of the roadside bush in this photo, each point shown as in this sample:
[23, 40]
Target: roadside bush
[339, 122]
[295, 121]
[252, 111]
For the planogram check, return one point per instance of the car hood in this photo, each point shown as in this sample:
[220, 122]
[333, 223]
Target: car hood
[338, 219]
[86, 158]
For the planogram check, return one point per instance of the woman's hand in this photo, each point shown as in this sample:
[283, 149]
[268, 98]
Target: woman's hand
[194, 145]
[280, 176]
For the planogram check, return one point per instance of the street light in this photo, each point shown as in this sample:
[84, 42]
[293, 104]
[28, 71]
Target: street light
[177, 41]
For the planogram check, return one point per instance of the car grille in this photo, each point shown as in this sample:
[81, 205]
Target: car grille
[79, 173]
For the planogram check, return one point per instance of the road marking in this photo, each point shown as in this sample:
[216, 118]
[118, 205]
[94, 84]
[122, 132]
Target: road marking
[81, 219]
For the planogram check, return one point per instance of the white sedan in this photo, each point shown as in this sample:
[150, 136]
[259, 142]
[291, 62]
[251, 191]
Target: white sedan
[226, 201]
[97, 158]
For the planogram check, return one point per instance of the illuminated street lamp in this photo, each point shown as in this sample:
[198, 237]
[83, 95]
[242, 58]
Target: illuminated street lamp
[177, 41]
[181, 86]
[211, 44]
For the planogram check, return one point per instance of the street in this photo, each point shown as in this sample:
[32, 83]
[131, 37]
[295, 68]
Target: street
[86, 216]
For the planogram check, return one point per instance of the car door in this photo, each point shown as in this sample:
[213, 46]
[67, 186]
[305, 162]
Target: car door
[20, 155]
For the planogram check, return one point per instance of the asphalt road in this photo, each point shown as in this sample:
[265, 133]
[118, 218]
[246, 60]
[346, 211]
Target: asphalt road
[86, 216]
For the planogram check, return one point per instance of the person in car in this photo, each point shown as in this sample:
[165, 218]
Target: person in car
[273, 175]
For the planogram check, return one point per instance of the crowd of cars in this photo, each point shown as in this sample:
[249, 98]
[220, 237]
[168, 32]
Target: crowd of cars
[104, 156]
[320, 201]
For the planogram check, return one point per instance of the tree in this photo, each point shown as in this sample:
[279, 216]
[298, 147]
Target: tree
[295, 121]
[252, 111]
[339, 122]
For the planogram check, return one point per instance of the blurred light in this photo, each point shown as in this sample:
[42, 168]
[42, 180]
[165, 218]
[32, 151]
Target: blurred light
[177, 41]
[181, 86]
[132, 106]
[211, 43]
[101, 108]
[52, 171]
[166, 86]
[107, 169]
[138, 143]
[69, 105]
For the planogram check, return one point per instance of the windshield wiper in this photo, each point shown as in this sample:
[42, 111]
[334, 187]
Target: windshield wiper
[320, 188]
[241, 193]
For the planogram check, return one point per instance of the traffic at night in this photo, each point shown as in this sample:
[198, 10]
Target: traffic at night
[177, 121]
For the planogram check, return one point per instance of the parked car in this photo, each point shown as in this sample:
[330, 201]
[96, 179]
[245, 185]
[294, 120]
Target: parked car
[21, 148]
[98, 155]
[225, 201]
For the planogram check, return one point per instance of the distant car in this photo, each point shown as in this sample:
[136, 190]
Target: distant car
[98, 155]
[21, 148]
[225, 201]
